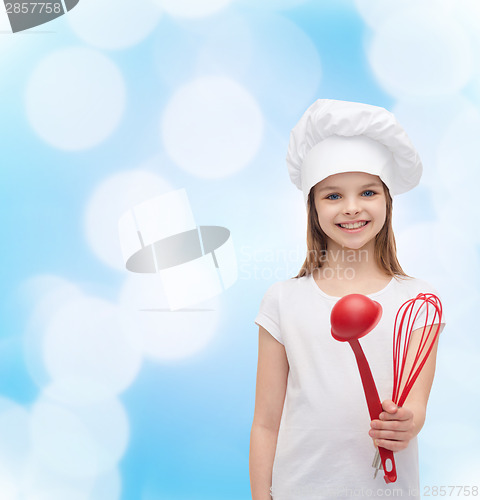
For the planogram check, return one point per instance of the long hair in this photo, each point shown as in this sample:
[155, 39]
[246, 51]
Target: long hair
[385, 248]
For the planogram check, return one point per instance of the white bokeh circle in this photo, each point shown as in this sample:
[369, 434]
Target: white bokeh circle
[286, 69]
[459, 364]
[39, 482]
[224, 46]
[272, 4]
[421, 258]
[75, 98]
[75, 390]
[175, 47]
[90, 338]
[269, 54]
[111, 24]
[191, 8]
[426, 122]
[43, 483]
[167, 335]
[46, 294]
[467, 12]
[462, 468]
[375, 12]
[458, 171]
[107, 486]
[82, 442]
[421, 52]
[110, 199]
[58, 494]
[219, 45]
[458, 216]
[15, 445]
[424, 252]
[450, 439]
[8, 483]
[212, 127]
[457, 154]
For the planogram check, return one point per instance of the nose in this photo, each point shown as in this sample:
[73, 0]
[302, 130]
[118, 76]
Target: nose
[351, 207]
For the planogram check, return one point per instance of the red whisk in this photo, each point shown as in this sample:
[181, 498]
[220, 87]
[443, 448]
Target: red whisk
[401, 342]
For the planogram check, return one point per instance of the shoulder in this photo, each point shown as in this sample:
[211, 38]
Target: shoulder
[415, 285]
[286, 294]
[285, 287]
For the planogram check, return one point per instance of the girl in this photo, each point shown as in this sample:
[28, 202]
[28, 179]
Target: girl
[311, 436]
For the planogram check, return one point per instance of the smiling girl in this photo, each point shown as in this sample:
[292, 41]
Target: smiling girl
[311, 436]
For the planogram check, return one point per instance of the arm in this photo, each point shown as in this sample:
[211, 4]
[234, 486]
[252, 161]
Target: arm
[398, 425]
[272, 372]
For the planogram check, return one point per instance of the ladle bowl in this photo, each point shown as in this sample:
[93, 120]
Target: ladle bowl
[353, 316]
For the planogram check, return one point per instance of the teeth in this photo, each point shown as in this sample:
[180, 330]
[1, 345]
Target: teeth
[353, 226]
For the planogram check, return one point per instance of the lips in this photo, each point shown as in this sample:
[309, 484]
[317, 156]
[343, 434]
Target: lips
[353, 224]
[353, 227]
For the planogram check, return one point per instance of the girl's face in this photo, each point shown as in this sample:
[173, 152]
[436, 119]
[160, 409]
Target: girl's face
[350, 198]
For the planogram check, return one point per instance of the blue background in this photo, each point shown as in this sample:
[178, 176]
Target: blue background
[189, 418]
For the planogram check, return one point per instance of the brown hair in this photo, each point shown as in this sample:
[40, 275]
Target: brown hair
[385, 247]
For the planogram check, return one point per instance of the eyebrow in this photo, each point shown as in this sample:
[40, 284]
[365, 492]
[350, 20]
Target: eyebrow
[335, 188]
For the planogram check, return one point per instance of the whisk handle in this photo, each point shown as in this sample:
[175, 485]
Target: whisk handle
[388, 467]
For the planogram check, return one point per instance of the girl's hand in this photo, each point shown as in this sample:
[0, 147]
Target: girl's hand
[394, 429]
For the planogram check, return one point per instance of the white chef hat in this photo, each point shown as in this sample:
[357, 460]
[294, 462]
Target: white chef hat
[341, 136]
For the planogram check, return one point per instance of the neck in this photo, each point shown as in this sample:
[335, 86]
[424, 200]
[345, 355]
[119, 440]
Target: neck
[351, 264]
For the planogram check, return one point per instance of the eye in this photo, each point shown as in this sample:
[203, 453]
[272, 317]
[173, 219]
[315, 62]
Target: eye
[369, 191]
[333, 194]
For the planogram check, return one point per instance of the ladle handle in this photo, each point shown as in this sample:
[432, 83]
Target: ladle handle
[374, 406]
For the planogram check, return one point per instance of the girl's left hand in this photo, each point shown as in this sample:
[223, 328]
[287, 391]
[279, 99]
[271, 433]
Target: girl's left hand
[394, 429]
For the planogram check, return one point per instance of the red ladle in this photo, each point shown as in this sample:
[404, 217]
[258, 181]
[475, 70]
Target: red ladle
[352, 317]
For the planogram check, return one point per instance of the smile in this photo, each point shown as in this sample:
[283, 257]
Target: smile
[353, 227]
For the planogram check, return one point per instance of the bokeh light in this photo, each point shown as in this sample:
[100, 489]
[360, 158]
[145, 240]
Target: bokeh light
[164, 335]
[286, 68]
[66, 106]
[46, 293]
[14, 446]
[427, 122]
[420, 52]
[192, 8]
[79, 442]
[212, 127]
[375, 12]
[90, 338]
[109, 200]
[129, 22]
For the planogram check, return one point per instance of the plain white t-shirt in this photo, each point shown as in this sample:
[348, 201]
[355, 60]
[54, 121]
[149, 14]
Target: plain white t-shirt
[323, 449]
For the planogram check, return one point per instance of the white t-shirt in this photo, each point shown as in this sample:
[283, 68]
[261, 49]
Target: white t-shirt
[323, 448]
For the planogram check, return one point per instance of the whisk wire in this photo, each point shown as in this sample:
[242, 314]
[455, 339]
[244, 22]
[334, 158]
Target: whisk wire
[402, 340]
